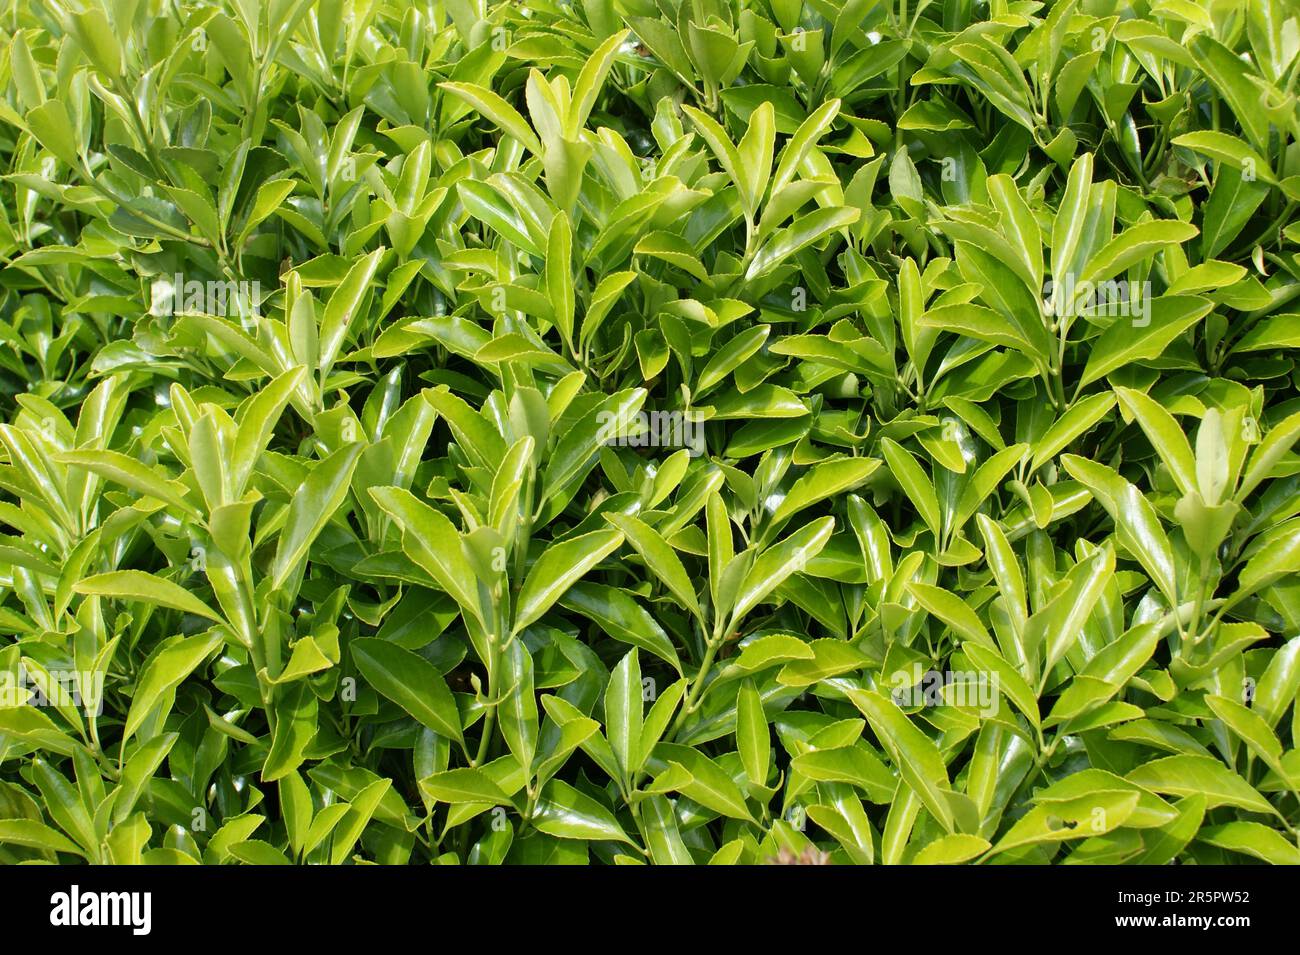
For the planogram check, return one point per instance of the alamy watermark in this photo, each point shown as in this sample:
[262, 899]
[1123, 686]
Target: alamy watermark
[970, 689]
[174, 295]
[653, 429]
[133, 909]
[1114, 298]
[81, 689]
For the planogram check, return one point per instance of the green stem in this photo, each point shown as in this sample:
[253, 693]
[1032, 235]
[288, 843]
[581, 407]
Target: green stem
[489, 724]
[697, 686]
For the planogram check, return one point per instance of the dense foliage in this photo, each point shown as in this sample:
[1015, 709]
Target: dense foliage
[649, 430]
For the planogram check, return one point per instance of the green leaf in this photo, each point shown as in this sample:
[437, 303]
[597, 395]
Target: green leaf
[559, 275]
[411, 682]
[558, 568]
[589, 82]
[566, 813]
[623, 714]
[1249, 727]
[166, 669]
[257, 420]
[918, 488]
[1132, 246]
[662, 835]
[1254, 839]
[350, 827]
[1185, 775]
[137, 585]
[129, 472]
[853, 765]
[1165, 436]
[1162, 845]
[821, 481]
[344, 305]
[314, 504]
[659, 559]
[1071, 217]
[492, 106]
[804, 139]
[463, 786]
[1057, 626]
[1136, 524]
[51, 125]
[752, 740]
[952, 611]
[951, 850]
[709, 784]
[1080, 818]
[1081, 417]
[622, 618]
[1125, 341]
[518, 711]
[754, 155]
[803, 232]
[37, 835]
[1233, 79]
[431, 540]
[778, 562]
[911, 751]
[1279, 684]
